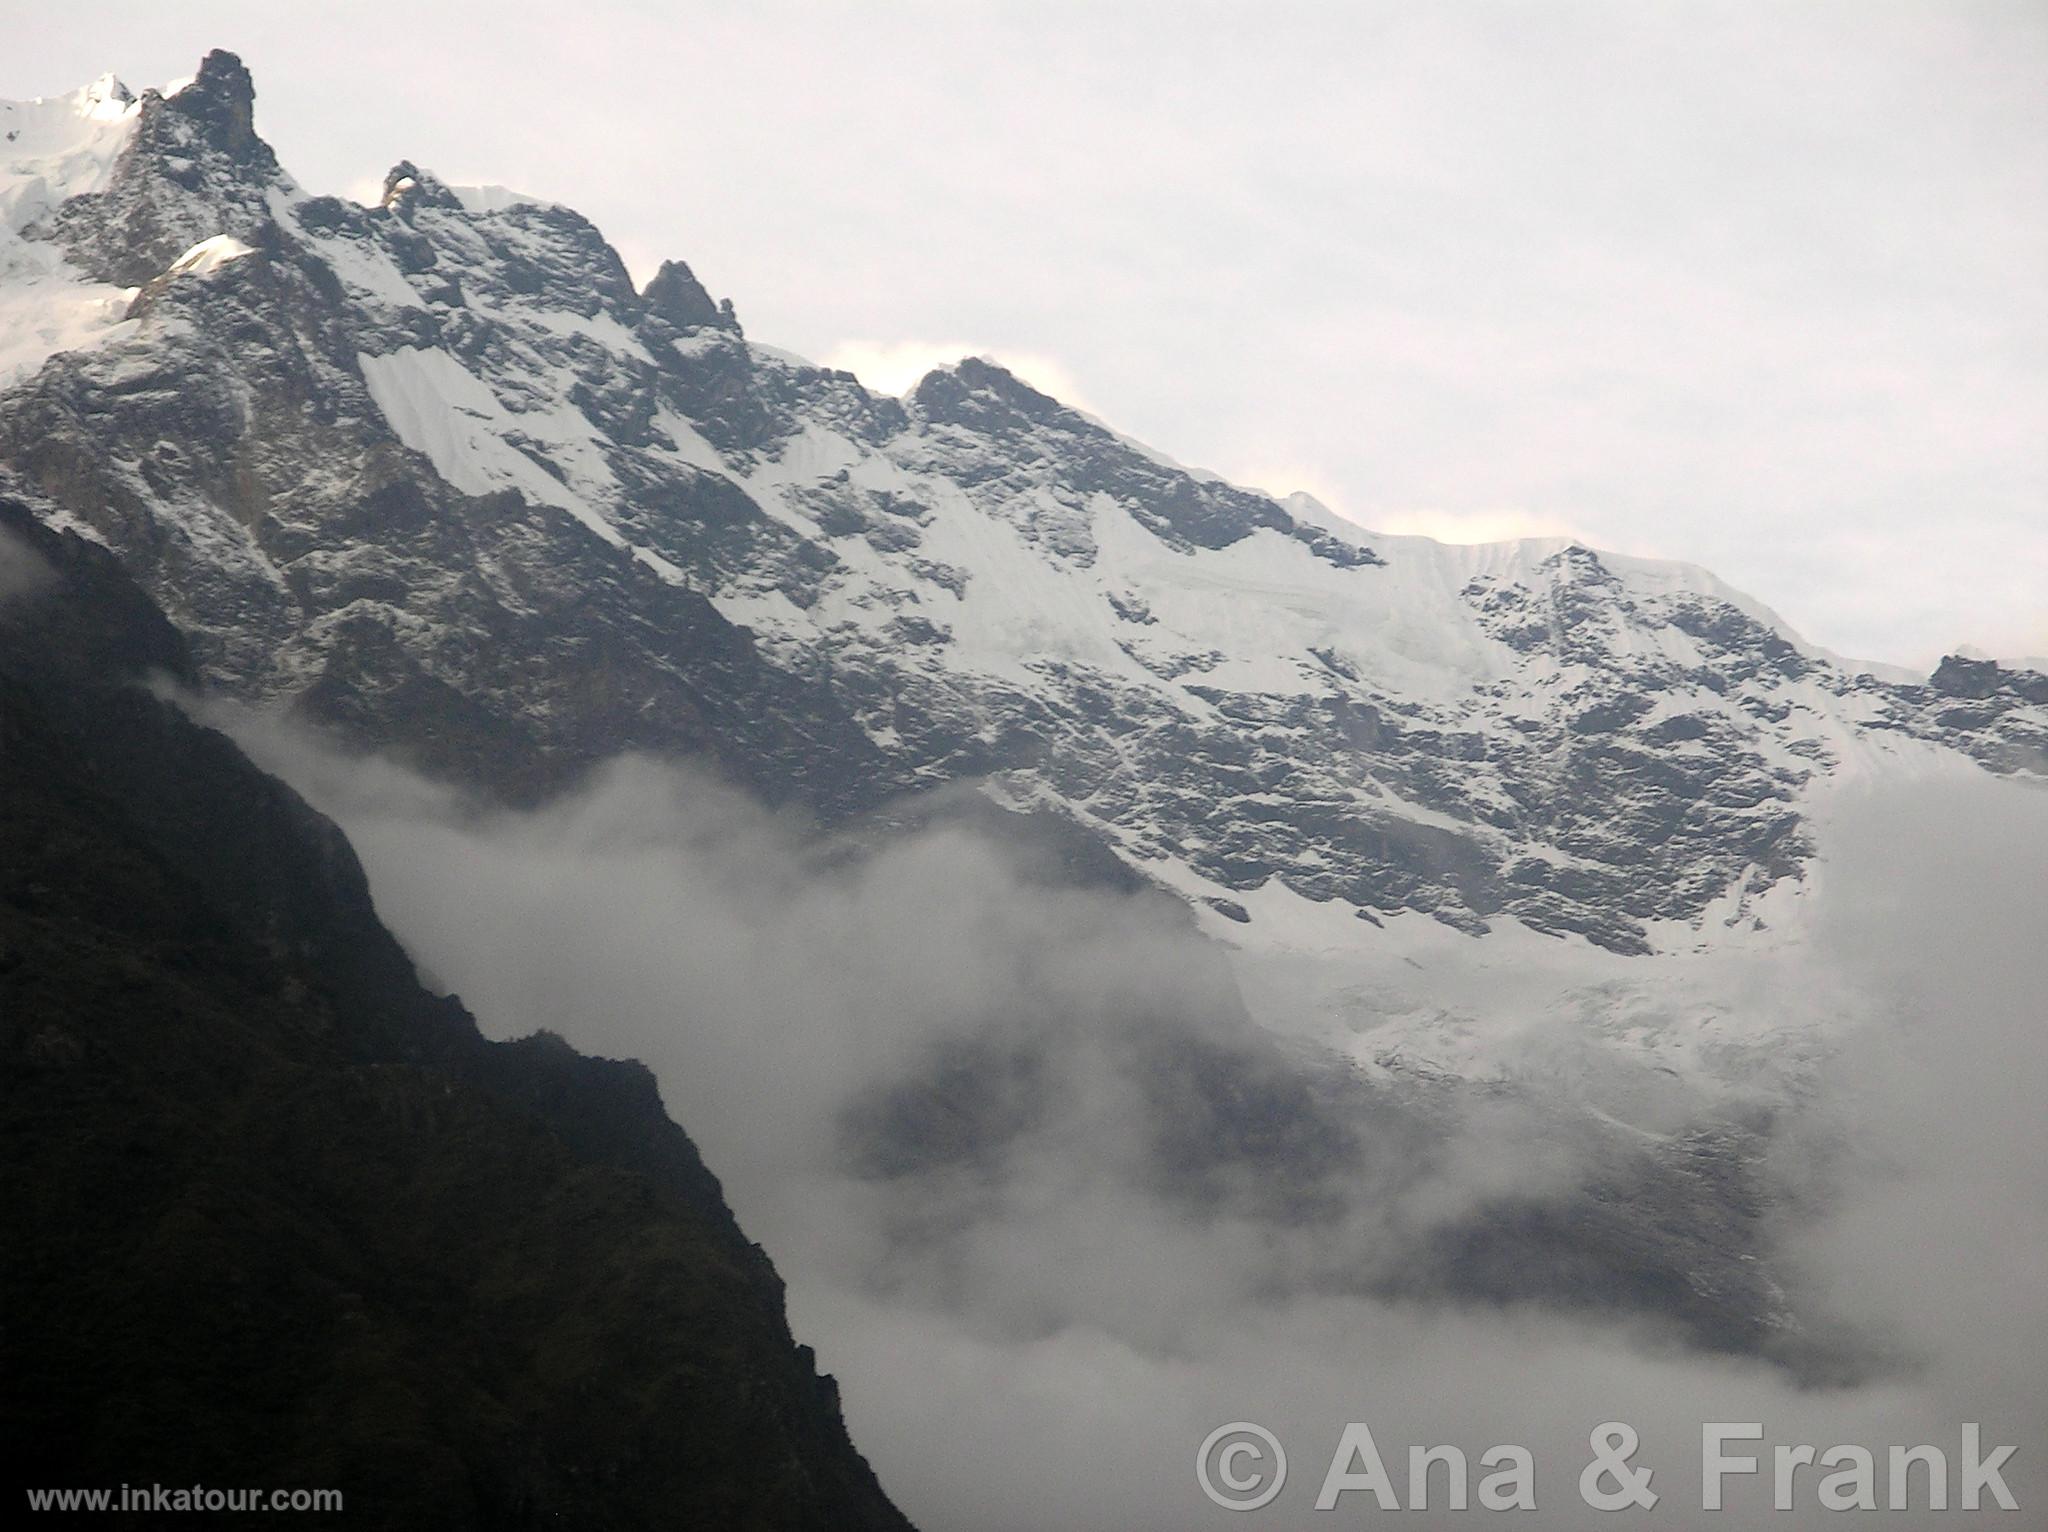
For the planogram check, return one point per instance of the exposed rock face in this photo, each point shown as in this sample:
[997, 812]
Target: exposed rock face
[677, 296]
[193, 166]
[435, 473]
[317, 1229]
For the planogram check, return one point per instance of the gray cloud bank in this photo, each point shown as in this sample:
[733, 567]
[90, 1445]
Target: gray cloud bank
[1052, 1212]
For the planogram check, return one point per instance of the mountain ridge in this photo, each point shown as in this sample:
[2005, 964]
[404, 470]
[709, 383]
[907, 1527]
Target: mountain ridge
[321, 1230]
[438, 476]
[1521, 825]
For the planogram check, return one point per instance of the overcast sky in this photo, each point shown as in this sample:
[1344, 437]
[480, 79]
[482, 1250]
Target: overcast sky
[1762, 286]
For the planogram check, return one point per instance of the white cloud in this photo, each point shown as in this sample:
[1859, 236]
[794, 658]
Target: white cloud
[1042, 1339]
[1498, 525]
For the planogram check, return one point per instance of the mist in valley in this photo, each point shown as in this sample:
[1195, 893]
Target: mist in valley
[1053, 1208]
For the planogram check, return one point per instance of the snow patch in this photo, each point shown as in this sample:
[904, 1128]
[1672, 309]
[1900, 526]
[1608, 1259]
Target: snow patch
[439, 407]
[210, 255]
[52, 149]
[494, 199]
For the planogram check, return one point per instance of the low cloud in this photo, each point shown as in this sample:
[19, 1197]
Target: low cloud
[1503, 524]
[1053, 1210]
[23, 571]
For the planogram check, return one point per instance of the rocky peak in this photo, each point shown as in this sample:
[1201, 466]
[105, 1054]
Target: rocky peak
[677, 296]
[1579, 561]
[105, 93]
[977, 390]
[222, 100]
[1959, 677]
[407, 187]
[193, 170]
[1980, 680]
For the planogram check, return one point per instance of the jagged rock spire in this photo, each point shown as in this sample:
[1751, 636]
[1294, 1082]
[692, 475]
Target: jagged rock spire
[222, 99]
[677, 295]
[405, 182]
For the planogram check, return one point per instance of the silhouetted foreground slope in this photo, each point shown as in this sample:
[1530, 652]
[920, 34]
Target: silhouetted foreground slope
[275, 1215]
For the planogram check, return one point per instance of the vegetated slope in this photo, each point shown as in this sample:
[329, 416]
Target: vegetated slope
[278, 1216]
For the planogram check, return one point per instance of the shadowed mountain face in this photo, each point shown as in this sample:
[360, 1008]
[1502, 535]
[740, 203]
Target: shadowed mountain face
[276, 1215]
[435, 473]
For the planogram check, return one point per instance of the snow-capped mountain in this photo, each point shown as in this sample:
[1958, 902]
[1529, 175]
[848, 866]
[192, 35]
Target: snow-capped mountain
[434, 471]
[1525, 822]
